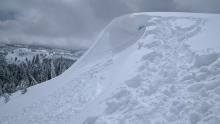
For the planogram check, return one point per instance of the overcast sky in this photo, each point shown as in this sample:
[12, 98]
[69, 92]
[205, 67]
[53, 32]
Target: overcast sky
[76, 23]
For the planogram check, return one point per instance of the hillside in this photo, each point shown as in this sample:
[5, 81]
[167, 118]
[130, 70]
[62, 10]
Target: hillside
[22, 66]
[144, 68]
[18, 53]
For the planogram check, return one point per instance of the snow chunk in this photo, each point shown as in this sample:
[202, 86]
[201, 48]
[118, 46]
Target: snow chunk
[213, 120]
[205, 60]
[204, 107]
[183, 23]
[135, 82]
[194, 118]
[90, 120]
[212, 85]
[195, 87]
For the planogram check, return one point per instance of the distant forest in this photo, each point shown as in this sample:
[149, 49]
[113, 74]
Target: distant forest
[18, 77]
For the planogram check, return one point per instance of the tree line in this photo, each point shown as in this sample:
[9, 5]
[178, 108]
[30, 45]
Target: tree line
[18, 77]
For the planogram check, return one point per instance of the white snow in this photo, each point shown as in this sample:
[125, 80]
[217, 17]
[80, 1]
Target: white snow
[144, 68]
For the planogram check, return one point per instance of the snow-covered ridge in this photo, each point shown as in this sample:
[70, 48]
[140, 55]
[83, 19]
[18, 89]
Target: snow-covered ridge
[145, 68]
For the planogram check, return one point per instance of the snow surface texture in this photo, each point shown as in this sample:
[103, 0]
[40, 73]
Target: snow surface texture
[146, 68]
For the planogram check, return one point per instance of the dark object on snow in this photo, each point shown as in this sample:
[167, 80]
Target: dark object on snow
[141, 27]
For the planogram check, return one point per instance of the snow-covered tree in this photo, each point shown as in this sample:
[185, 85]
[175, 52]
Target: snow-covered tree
[14, 77]
[23, 86]
[6, 97]
[1, 72]
[2, 63]
[1, 92]
[52, 72]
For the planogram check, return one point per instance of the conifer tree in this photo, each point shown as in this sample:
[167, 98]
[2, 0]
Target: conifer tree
[53, 73]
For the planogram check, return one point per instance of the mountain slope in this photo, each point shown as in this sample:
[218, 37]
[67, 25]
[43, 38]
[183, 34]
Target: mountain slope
[145, 68]
[22, 66]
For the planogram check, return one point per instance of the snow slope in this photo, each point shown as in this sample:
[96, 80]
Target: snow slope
[145, 68]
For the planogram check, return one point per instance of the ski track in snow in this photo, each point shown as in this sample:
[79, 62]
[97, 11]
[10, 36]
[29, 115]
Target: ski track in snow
[163, 81]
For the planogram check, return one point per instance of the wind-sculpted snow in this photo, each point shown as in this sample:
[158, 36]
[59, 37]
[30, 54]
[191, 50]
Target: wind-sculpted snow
[141, 70]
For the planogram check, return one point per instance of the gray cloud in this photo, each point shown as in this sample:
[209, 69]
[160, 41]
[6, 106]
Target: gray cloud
[76, 23]
[204, 6]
